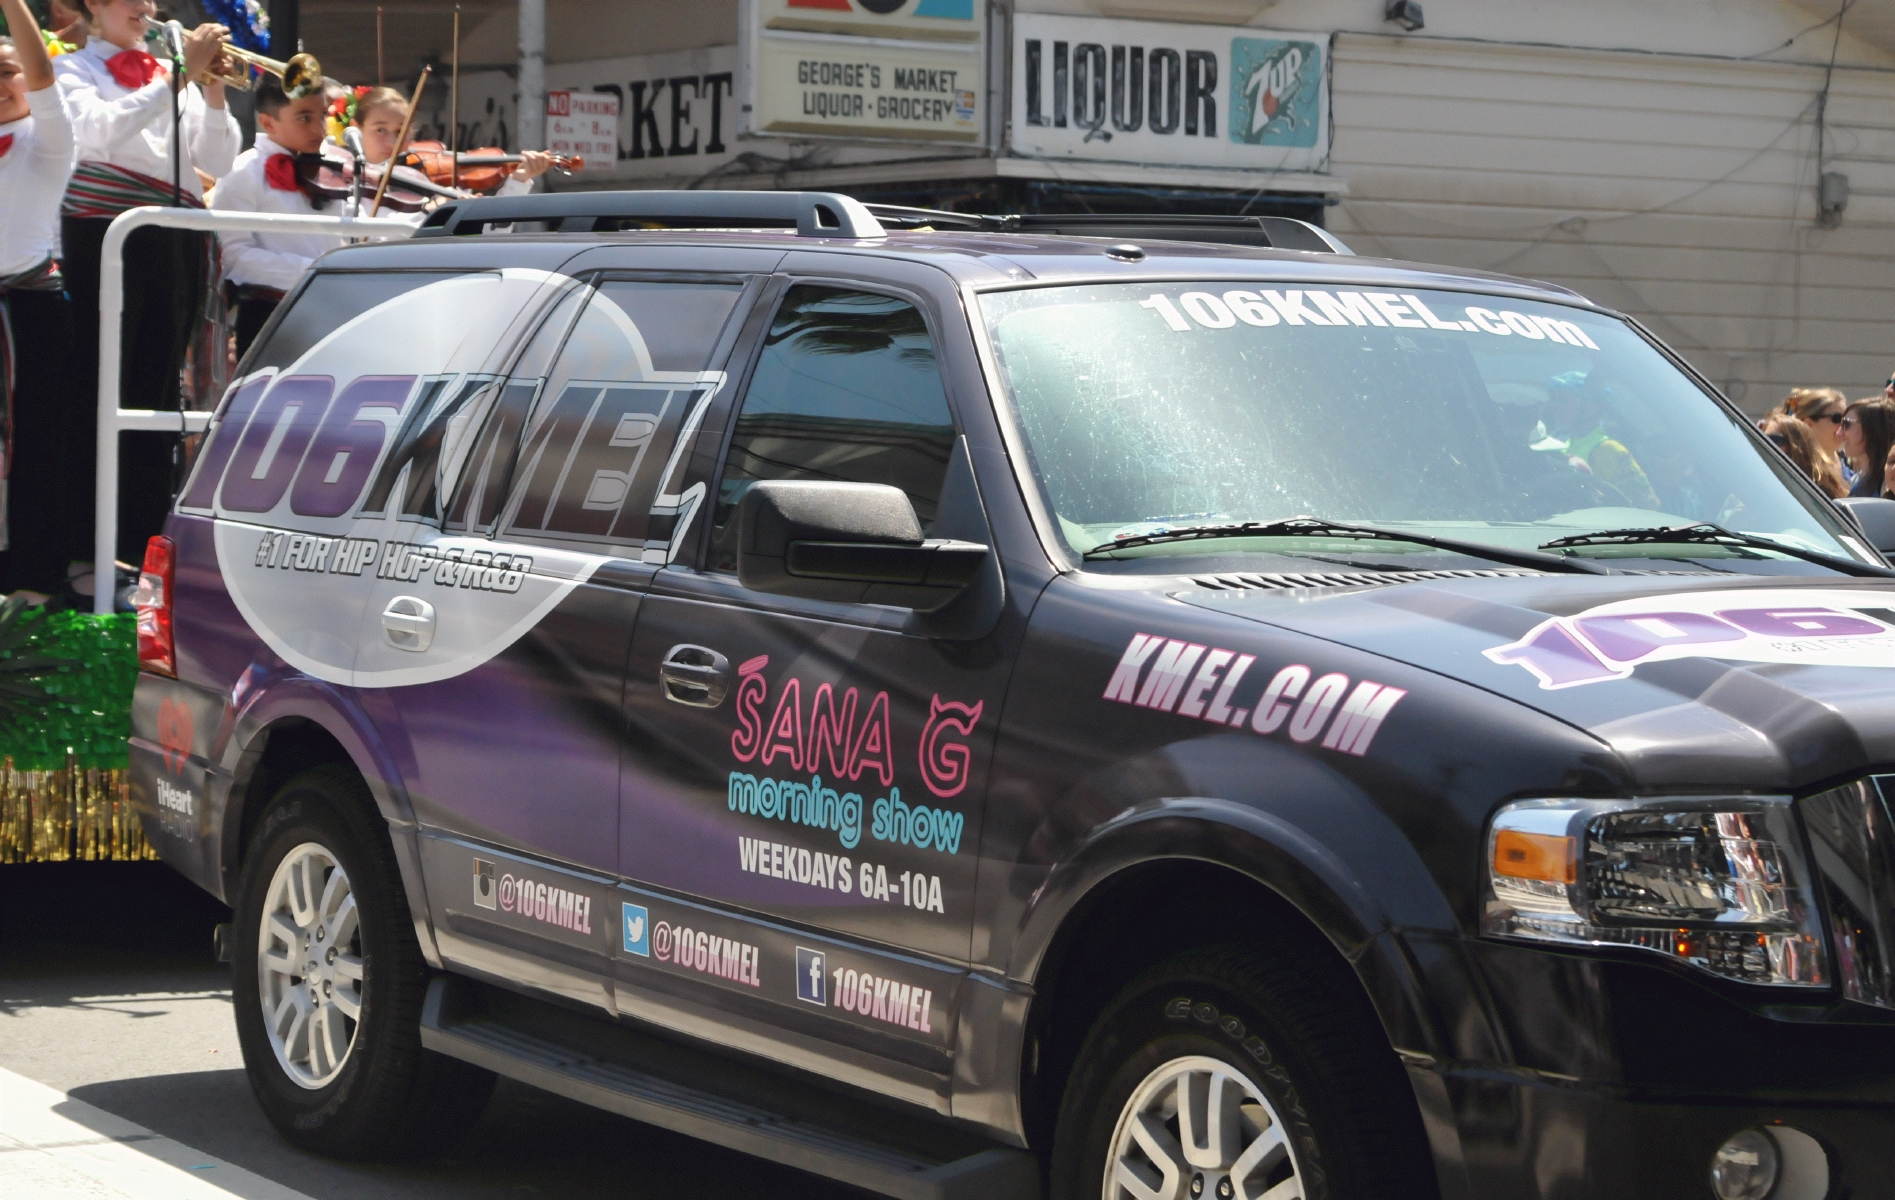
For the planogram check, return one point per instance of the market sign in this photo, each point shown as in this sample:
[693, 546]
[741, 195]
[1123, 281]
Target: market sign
[925, 20]
[882, 70]
[1185, 95]
[677, 112]
[585, 125]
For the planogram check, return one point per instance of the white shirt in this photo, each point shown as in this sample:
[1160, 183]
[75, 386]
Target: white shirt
[274, 260]
[33, 177]
[131, 127]
[277, 260]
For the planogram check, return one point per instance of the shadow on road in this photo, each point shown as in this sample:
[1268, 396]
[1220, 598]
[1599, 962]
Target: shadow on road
[126, 944]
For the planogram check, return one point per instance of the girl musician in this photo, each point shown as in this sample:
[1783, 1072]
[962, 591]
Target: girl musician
[380, 113]
[120, 99]
[35, 315]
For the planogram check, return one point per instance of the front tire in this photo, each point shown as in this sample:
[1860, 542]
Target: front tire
[1228, 1074]
[328, 982]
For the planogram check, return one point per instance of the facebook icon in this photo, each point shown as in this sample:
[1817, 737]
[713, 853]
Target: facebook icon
[811, 976]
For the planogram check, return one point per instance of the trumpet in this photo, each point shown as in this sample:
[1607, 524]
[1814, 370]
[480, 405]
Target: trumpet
[301, 75]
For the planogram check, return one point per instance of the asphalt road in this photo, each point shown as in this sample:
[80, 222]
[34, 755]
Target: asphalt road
[109, 994]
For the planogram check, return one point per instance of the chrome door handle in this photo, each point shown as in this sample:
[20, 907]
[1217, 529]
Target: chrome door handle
[694, 675]
[408, 623]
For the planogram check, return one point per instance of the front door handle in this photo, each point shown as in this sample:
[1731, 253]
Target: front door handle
[694, 675]
[408, 623]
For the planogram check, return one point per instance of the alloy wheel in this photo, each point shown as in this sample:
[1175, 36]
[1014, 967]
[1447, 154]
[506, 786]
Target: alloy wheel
[309, 965]
[1197, 1128]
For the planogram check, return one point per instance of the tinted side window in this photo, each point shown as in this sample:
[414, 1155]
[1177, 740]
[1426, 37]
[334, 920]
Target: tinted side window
[846, 388]
[608, 415]
[332, 299]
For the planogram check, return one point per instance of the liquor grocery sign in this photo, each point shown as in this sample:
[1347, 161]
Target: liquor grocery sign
[906, 70]
[1149, 92]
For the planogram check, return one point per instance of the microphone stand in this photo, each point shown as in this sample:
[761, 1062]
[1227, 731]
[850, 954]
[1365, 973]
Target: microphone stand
[177, 121]
[352, 142]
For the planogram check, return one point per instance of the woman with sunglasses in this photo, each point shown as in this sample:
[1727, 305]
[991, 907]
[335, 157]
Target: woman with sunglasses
[1868, 430]
[1820, 409]
[1796, 441]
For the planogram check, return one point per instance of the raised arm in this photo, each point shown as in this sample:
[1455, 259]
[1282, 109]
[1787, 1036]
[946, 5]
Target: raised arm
[27, 43]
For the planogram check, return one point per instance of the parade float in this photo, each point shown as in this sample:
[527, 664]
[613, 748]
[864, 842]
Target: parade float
[66, 683]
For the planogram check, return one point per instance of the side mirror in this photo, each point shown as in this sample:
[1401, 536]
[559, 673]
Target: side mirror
[1875, 517]
[853, 542]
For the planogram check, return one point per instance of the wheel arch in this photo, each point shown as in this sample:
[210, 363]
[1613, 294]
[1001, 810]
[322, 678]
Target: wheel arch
[1137, 892]
[289, 726]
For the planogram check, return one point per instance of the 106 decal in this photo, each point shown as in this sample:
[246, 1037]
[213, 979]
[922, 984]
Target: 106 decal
[1201, 682]
[1841, 628]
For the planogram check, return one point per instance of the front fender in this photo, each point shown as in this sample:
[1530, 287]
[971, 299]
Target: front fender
[1318, 873]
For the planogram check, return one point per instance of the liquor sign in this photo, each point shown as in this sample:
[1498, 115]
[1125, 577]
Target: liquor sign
[1186, 95]
[585, 124]
[902, 70]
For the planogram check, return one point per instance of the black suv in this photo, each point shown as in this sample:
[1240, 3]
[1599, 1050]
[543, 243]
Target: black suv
[980, 707]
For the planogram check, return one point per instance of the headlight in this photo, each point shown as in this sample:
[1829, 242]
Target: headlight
[1723, 885]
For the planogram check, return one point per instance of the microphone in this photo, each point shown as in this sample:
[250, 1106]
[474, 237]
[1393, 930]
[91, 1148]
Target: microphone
[352, 138]
[174, 40]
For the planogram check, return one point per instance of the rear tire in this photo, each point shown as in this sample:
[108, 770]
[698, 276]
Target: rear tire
[328, 981]
[1231, 1074]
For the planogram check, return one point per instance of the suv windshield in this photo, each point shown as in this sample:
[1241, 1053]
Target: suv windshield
[1149, 409]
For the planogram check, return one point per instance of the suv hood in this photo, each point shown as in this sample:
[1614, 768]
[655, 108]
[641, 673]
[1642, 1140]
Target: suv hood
[1697, 682]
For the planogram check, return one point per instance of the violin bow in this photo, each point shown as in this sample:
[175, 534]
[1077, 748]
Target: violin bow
[388, 172]
[454, 103]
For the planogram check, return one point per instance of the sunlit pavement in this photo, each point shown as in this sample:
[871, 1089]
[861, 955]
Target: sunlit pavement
[120, 1077]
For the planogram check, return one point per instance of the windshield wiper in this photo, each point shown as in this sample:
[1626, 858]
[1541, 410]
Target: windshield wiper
[1706, 534]
[1318, 527]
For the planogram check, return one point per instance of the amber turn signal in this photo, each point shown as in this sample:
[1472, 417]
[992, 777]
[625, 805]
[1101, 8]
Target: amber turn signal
[1520, 855]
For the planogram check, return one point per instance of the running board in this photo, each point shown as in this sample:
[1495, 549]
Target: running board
[716, 1100]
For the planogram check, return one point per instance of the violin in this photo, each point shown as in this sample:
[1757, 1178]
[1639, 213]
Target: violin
[323, 179]
[482, 170]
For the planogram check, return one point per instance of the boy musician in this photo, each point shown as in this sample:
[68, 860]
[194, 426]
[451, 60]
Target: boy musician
[263, 266]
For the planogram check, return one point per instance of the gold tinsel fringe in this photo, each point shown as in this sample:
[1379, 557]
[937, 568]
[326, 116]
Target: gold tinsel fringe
[71, 813]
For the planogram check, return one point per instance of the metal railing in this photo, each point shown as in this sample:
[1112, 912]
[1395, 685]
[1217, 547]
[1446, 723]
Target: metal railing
[114, 420]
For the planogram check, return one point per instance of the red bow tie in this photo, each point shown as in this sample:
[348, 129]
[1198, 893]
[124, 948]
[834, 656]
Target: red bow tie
[6, 144]
[132, 68]
[279, 171]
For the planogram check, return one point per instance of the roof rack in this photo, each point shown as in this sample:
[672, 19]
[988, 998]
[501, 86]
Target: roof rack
[1282, 233]
[811, 214]
[829, 214]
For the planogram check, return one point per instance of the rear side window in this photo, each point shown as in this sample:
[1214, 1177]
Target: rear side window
[847, 388]
[332, 299]
[607, 415]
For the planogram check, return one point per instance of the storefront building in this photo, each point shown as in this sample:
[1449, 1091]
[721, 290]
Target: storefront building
[1721, 169]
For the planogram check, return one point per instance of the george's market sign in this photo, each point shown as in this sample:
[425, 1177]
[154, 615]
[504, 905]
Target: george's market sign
[1156, 93]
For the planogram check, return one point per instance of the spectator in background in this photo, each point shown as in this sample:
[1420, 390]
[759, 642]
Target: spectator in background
[1795, 439]
[1821, 409]
[68, 22]
[1868, 430]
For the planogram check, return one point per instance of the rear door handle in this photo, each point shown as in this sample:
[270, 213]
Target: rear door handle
[408, 623]
[694, 675]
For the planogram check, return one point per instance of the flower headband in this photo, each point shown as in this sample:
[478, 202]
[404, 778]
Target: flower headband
[342, 109]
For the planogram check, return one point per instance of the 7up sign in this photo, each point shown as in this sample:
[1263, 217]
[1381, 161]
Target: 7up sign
[1277, 92]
